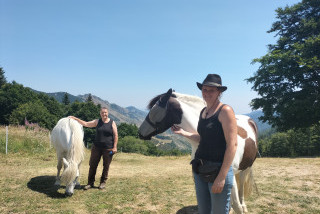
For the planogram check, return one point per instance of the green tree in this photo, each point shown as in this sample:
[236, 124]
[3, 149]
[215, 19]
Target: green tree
[125, 129]
[3, 79]
[52, 105]
[130, 144]
[288, 78]
[89, 98]
[34, 112]
[86, 111]
[66, 100]
[12, 95]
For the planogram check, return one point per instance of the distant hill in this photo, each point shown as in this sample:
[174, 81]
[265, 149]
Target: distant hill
[261, 125]
[130, 115]
[60, 95]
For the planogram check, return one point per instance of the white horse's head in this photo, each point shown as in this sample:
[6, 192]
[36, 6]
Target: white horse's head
[164, 112]
[70, 175]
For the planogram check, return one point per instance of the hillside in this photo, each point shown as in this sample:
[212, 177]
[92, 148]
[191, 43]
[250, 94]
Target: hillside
[130, 115]
[261, 125]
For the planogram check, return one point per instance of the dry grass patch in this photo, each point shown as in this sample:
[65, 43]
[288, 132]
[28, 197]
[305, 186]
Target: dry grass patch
[286, 185]
[141, 184]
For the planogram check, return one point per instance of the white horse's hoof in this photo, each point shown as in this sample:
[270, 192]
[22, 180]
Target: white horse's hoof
[57, 184]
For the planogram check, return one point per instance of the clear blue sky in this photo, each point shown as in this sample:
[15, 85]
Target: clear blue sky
[128, 51]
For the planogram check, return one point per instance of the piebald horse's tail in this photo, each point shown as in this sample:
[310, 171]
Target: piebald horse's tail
[248, 179]
[249, 184]
[245, 180]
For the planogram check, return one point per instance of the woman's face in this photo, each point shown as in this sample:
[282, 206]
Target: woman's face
[210, 94]
[104, 113]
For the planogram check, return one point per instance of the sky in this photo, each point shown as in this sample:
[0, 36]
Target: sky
[128, 51]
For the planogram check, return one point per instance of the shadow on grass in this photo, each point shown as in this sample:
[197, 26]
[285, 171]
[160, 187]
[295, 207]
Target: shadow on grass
[45, 184]
[188, 210]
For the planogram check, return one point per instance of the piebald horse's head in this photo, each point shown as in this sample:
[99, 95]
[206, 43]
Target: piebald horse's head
[164, 111]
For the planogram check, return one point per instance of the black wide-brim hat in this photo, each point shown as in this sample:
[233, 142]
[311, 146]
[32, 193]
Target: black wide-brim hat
[212, 80]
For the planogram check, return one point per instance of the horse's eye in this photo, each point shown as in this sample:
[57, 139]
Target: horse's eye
[157, 113]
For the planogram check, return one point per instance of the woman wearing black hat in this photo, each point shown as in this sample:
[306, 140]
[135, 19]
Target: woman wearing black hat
[217, 135]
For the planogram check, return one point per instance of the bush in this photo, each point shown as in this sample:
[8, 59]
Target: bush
[130, 144]
[293, 143]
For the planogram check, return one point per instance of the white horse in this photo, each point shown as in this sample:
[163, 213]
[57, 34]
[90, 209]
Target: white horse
[67, 139]
[183, 110]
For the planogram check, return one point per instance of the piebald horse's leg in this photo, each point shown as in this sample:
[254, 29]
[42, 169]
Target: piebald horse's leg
[242, 179]
[235, 202]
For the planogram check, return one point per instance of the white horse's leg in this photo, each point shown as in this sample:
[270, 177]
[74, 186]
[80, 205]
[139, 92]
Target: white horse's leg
[235, 202]
[59, 166]
[77, 181]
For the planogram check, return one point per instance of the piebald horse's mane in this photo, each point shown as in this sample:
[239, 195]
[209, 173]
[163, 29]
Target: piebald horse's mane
[185, 98]
[155, 100]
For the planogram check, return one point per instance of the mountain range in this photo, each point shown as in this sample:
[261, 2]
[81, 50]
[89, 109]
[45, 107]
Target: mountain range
[133, 115]
[130, 115]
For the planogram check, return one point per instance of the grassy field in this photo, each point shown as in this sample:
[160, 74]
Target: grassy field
[141, 184]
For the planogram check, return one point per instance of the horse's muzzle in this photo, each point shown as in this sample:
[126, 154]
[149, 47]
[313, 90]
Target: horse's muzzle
[144, 137]
[69, 194]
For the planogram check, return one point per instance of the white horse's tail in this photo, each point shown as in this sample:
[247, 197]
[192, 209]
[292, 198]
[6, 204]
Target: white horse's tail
[75, 154]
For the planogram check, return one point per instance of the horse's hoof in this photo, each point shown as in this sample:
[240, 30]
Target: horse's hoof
[69, 194]
[245, 210]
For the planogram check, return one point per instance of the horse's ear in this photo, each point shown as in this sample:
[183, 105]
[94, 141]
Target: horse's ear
[164, 99]
[65, 162]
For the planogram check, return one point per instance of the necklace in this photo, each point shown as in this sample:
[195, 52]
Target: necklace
[212, 107]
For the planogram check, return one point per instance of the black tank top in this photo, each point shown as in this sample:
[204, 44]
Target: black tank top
[104, 135]
[212, 141]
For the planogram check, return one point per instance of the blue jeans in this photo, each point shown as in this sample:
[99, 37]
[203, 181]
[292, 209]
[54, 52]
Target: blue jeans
[208, 202]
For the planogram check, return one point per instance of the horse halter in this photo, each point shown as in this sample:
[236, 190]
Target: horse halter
[156, 116]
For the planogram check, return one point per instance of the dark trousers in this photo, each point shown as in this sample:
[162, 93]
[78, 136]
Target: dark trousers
[95, 157]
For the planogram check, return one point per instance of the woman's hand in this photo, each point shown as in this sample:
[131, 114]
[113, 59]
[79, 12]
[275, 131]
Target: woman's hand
[180, 131]
[218, 185]
[176, 129]
[114, 150]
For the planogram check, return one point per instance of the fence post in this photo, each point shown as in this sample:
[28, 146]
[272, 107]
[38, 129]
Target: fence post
[6, 139]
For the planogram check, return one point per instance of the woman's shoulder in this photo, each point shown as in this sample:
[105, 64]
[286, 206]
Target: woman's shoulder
[226, 112]
[226, 107]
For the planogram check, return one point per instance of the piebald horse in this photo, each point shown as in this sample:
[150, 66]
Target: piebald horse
[67, 139]
[183, 110]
